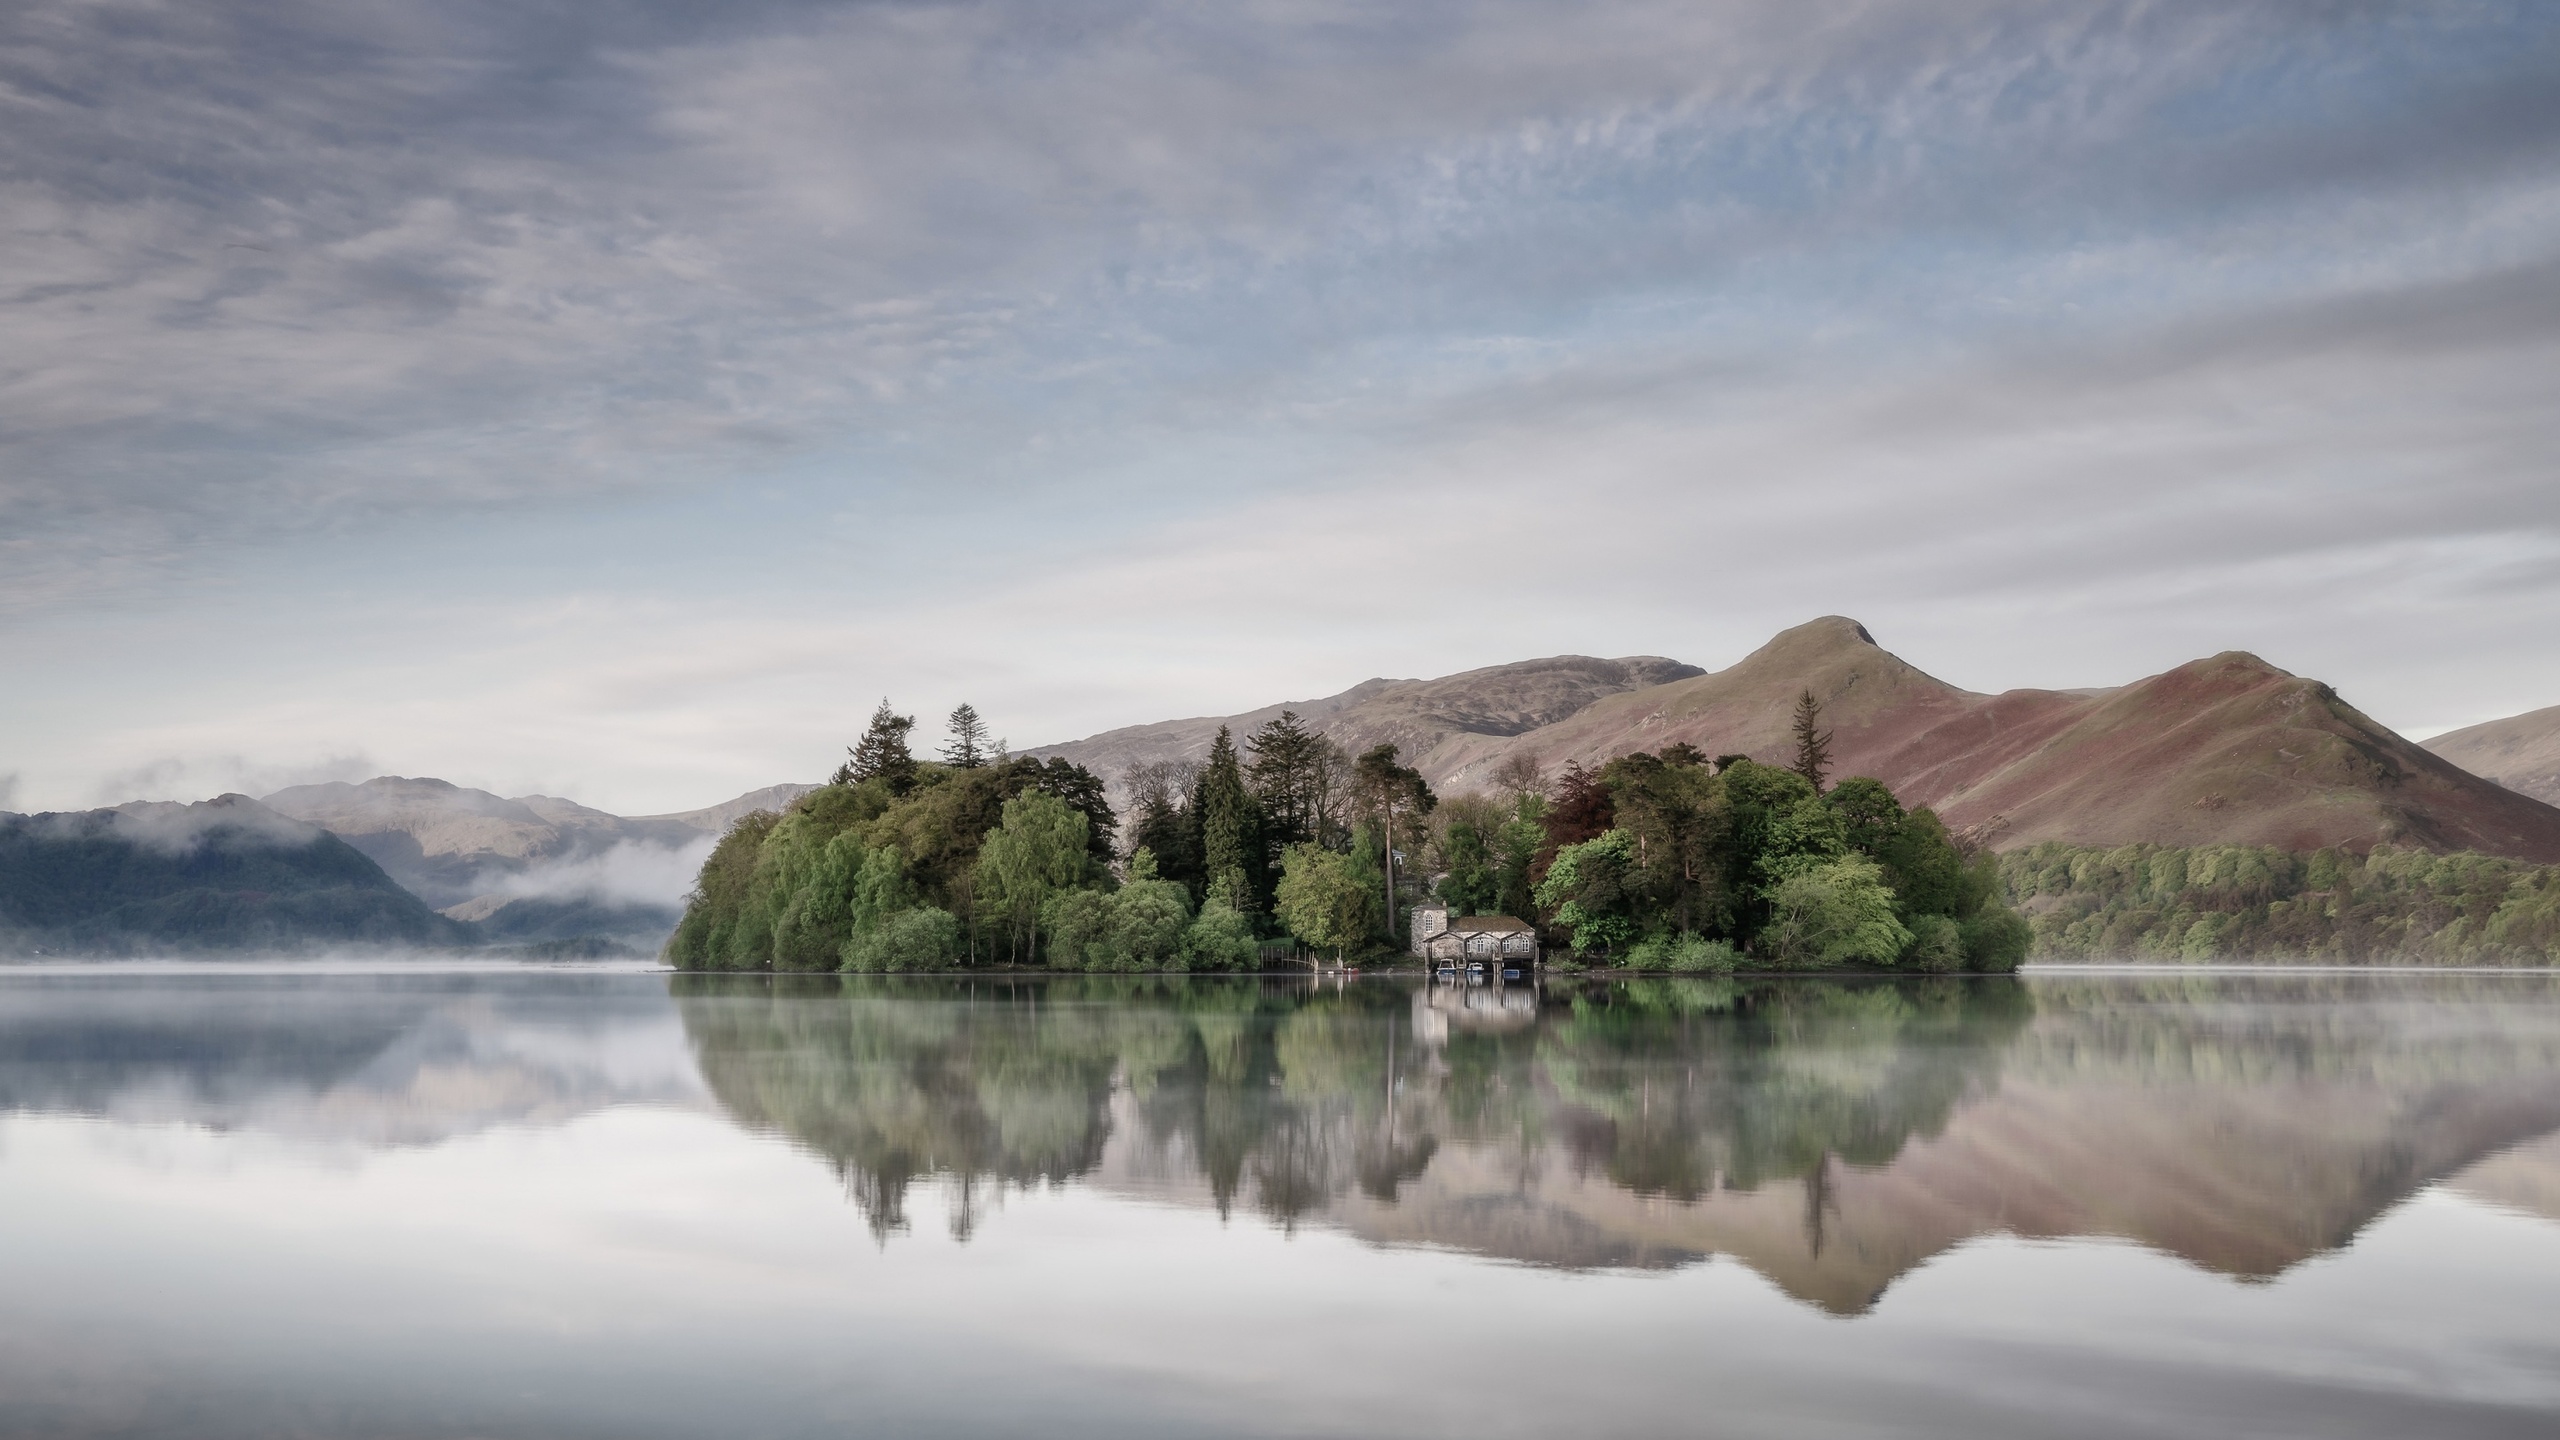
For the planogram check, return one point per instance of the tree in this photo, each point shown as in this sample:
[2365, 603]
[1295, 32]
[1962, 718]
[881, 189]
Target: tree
[1285, 757]
[881, 753]
[1162, 820]
[1324, 899]
[1231, 848]
[1813, 743]
[1037, 851]
[1835, 914]
[1581, 808]
[1388, 791]
[1591, 890]
[1520, 776]
[1470, 887]
[966, 749]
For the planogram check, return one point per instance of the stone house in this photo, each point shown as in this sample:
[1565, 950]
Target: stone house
[1471, 939]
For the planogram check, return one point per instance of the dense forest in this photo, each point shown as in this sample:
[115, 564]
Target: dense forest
[2154, 902]
[1664, 862]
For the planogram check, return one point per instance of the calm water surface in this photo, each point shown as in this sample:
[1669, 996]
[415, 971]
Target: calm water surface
[564, 1204]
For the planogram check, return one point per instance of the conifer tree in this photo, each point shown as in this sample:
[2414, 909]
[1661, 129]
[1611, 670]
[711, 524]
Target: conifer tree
[882, 753]
[966, 749]
[1230, 828]
[1813, 743]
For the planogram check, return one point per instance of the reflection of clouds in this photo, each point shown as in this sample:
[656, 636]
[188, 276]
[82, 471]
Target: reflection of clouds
[367, 1061]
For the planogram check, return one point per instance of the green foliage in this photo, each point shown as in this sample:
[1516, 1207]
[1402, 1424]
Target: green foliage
[1038, 851]
[796, 891]
[1594, 890]
[1688, 954]
[1834, 914]
[1326, 898]
[2152, 902]
[1231, 845]
[1470, 887]
[919, 939]
[1220, 937]
[1937, 945]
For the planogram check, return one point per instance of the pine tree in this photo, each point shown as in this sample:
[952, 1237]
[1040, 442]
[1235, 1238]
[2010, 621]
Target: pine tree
[1231, 845]
[967, 747]
[1813, 743]
[1287, 777]
[882, 753]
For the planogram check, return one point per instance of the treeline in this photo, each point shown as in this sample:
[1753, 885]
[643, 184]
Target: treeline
[2157, 902]
[1671, 861]
[1655, 861]
[984, 858]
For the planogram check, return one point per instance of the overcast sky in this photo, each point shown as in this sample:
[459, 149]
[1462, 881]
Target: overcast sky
[615, 400]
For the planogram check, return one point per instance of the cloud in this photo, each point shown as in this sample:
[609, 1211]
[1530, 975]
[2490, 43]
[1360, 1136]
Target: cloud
[618, 404]
[628, 873]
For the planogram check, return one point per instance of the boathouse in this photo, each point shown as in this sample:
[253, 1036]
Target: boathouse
[1471, 939]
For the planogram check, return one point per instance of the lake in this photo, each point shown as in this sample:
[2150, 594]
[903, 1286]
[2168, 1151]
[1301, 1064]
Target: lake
[290, 1201]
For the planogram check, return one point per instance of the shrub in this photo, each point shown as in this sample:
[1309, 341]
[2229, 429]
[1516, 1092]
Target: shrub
[1995, 941]
[1937, 945]
[1221, 938]
[919, 939]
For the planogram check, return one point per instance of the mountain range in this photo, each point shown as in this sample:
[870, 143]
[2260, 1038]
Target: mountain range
[2223, 750]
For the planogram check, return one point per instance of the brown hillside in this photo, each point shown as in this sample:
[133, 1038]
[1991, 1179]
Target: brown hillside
[2228, 750]
[2521, 752]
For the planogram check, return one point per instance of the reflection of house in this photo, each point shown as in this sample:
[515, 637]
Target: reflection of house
[1471, 939]
[1481, 1006]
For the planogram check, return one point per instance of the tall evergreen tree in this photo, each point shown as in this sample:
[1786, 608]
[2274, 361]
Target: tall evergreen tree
[1288, 759]
[882, 753]
[1813, 743]
[966, 749]
[1231, 845]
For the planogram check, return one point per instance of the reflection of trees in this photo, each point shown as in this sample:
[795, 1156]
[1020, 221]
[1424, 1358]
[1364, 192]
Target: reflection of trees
[1290, 1100]
[1685, 1086]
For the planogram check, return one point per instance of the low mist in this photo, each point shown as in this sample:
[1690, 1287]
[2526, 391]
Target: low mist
[630, 873]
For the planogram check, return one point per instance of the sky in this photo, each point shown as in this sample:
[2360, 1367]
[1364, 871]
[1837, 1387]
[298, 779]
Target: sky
[617, 400]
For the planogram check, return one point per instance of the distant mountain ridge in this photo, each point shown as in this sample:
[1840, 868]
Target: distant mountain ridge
[531, 868]
[2224, 750]
[2521, 752]
[226, 874]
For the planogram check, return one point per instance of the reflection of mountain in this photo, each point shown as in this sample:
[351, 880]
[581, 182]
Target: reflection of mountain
[1830, 1136]
[371, 1060]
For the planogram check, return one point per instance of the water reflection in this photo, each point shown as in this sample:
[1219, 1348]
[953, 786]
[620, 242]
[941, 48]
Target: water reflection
[1831, 1135]
[369, 1060]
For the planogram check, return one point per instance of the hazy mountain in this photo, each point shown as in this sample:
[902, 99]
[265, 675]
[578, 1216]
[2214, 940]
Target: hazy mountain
[223, 874]
[2521, 752]
[2222, 750]
[528, 869]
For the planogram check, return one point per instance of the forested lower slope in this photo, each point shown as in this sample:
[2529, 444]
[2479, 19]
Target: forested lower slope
[2241, 902]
